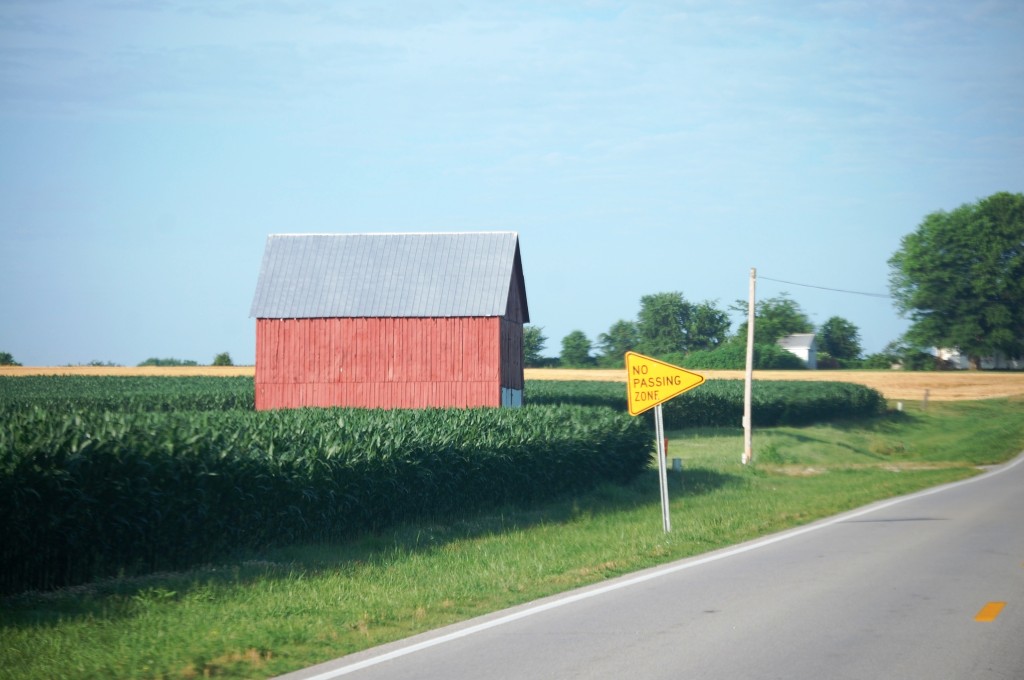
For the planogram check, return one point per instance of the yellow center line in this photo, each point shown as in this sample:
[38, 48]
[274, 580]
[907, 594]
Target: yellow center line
[990, 611]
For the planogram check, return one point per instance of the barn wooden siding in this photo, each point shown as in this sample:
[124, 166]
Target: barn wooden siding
[387, 362]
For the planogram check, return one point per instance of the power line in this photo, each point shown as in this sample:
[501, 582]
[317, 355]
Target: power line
[834, 290]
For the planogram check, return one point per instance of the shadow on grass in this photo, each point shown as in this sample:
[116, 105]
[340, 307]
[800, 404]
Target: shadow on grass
[435, 533]
[131, 596]
[882, 424]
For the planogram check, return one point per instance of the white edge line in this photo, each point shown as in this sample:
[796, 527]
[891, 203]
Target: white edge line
[656, 572]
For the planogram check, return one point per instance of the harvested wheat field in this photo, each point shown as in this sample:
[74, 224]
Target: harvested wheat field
[216, 371]
[941, 386]
[907, 385]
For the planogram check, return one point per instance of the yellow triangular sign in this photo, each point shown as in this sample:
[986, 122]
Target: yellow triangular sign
[651, 382]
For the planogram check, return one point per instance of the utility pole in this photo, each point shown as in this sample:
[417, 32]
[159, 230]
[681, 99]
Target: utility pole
[749, 379]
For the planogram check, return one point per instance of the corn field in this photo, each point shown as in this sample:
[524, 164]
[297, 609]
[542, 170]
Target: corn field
[103, 478]
[719, 403]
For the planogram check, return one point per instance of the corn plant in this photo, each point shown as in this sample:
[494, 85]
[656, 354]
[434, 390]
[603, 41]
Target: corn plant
[719, 403]
[89, 493]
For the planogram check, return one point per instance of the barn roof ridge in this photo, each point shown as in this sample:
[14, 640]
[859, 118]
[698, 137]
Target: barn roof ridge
[797, 340]
[393, 233]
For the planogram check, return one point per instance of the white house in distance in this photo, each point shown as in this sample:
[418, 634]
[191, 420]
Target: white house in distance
[998, 361]
[803, 345]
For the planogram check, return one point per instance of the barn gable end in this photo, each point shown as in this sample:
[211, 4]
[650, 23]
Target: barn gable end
[803, 345]
[390, 320]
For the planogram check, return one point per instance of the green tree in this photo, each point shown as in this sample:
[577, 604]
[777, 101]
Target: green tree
[662, 323]
[840, 339]
[732, 356]
[905, 355]
[7, 359]
[670, 325]
[223, 359]
[622, 337]
[707, 328]
[960, 278]
[774, 318]
[171, 361]
[533, 342]
[576, 350]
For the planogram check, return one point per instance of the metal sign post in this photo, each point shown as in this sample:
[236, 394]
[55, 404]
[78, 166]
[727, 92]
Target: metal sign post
[659, 433]
[649, 383]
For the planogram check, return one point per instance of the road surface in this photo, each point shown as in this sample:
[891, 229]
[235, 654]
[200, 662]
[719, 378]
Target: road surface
[926, 586]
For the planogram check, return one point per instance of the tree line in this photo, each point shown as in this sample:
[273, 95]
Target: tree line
[222, 359]
[697, 335]
[959, 278]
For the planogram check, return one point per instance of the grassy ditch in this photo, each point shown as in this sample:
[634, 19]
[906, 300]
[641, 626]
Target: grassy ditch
[293, 607]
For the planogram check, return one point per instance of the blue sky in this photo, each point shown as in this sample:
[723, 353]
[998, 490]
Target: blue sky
[147, 148]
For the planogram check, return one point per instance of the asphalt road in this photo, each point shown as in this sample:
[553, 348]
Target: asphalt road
[926, 586]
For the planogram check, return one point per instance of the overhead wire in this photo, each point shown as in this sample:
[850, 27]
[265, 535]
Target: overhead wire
[835, 290]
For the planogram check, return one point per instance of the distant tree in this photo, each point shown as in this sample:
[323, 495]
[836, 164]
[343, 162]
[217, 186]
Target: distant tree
[880, 360]
[774, 318]
[905, 354]
[6, 359]
[662, 322]
[152, 361]
[707, 328]
[576, 350]
[533, 342]
[839, 338]
[960, 278]
[622, 337]
[223, 359]
[668, 324]
[732, 356]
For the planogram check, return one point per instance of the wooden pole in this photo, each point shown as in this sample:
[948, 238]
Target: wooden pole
[748, 425]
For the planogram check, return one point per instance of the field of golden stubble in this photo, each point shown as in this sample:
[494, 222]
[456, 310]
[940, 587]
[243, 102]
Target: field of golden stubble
[180, 371]
[941, 386]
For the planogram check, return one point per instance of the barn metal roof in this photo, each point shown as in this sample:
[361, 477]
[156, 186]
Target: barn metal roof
[388, 275]
[798, 341]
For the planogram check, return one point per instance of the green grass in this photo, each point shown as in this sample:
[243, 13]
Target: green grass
[305, 604]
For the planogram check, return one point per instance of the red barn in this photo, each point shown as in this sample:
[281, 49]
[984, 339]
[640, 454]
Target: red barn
[390, 320]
